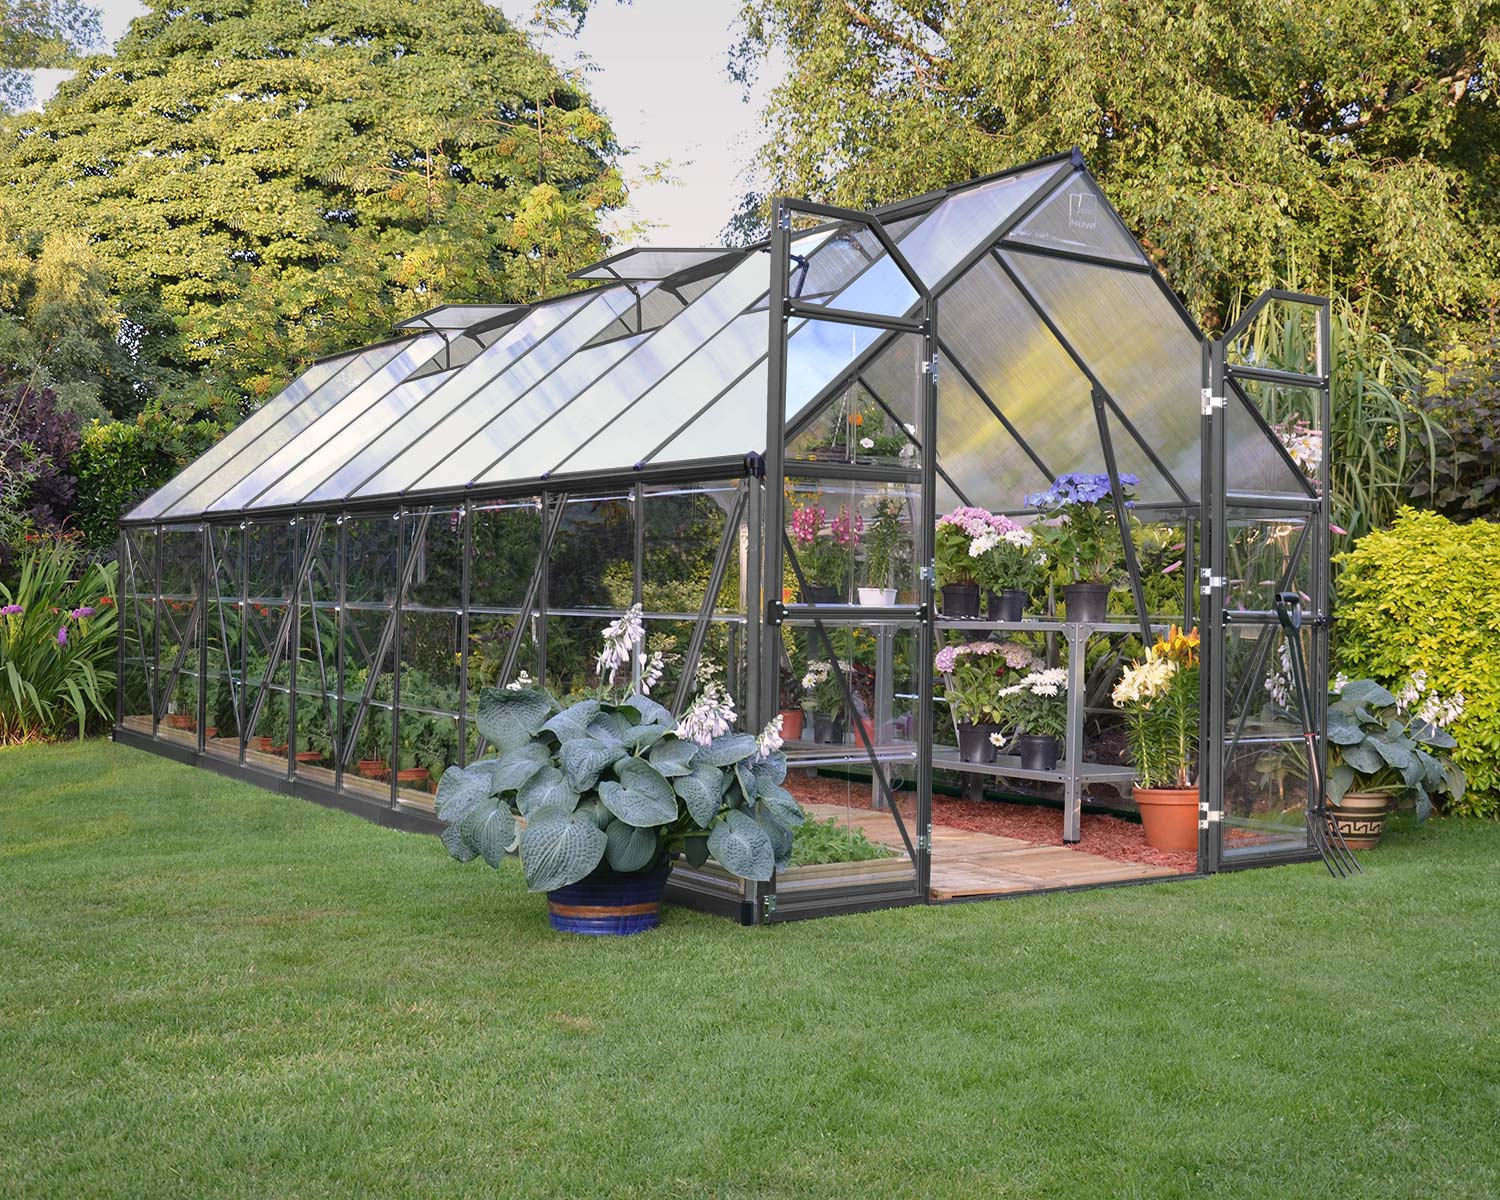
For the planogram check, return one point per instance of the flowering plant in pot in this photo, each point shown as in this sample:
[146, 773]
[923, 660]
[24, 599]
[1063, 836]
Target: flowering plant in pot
[790, 697]
[825, 697]
[882, 546]
[1010, 566]
[959, 540]
[825, 556]
[1383, 747]
[1159, 697]
[598, 798]
[972, 675]
[1035, 707]
[1084, 539]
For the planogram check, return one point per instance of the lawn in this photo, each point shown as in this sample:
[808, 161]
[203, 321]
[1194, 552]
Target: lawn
[206, 989]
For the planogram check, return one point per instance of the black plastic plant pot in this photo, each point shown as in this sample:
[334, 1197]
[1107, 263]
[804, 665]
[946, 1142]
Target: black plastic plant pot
[974, 744]
[1036, 752]
[1087, 602]
[819, 593]
[961, 601]
[822, 728]
[1009, 605]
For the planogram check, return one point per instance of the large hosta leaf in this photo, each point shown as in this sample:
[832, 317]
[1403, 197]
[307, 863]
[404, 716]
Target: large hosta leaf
[695, 850]
[771, 769]
[744, 775]
[642, 737]
[573, 721]
[1363, 757]
[781, 806]
[1430, 735]
[1339, 781]
[460, 790]
[1359, 692]
[517, 766]
[454, 841]
[609, 727]
[559, 848]
[629, 848]
[742, 847]
[643, 798]
[548, 788]
[1395, 750]
[594, 809]
[584, 759]
[508, 719]
[781, 843]
[649, 711]
[489, 832]
[723, 751]
[1343, 728]
[700, 790]
[674, 757]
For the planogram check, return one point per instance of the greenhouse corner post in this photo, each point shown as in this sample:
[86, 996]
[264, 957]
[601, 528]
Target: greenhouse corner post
[205, 561]
[1211, 614]
[926, 595]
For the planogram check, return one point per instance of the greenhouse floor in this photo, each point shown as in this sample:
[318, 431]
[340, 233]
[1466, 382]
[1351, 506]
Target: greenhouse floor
[966, 863]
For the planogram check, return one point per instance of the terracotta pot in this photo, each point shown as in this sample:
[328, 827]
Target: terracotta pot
[309, 756]
[1009, 605]
[412, 775]
[961, 601]
[869, 729]
[791, 724]
[974, 743]
[373, 768]
[281, 749]
[609, 903]
[1169, 817]
[1086, 602]
[180, 721]
[1360, 817]
[263, 744]
[211, 732]
[1037, 752]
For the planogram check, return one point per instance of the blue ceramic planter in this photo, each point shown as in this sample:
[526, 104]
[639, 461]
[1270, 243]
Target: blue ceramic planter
[608, 903]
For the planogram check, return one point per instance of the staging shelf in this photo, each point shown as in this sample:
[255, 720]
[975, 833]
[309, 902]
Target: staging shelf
[1008, 766]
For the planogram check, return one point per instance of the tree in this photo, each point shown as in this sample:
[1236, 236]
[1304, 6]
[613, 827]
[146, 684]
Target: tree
[266, 181]
[40, 33]
[1353, 138]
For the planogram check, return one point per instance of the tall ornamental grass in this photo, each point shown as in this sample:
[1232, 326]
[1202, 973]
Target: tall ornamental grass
[57, 644]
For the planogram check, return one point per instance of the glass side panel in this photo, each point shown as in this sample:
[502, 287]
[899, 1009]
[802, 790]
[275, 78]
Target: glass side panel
[976, 451]
[271, 553]
[304, 432]
[683, 528]
[316, 724]
[179, 633]
[1076, 217]
[214, 459]
[348, 442]
[506, 536]
[275, 435]
[225, 617]
[1282, 337]
[1133, 339]
[366, 648]
[592, 561]
[1295, 415]
[413, 428]
[137, 618]
[1267, 553]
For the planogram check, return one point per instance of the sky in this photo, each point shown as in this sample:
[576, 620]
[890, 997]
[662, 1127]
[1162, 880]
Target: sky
[658, 71]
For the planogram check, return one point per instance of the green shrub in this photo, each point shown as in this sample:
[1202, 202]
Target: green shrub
[1421, 596]
[57, 644]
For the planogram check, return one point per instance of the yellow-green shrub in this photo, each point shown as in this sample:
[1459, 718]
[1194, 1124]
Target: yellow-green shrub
[1425, 594]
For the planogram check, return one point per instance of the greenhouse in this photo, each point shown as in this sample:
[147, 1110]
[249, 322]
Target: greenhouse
[763, 447]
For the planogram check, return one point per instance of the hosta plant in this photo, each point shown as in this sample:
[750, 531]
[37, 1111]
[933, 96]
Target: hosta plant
[616, 780]
[1395, 744]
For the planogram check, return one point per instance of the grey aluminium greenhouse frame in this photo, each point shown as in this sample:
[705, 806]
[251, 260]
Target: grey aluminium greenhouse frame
[244, 551]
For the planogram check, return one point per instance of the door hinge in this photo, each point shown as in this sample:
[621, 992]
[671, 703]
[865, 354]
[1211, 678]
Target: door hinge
[924, 841]
[1210, 401]
[1213, 581]
[768, 904]
[1208, 816]
[930, 367]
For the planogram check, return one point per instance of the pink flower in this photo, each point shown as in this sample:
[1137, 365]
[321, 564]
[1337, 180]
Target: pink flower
[805, 525]
[1337, 530]
[846, 530]
[1176, 566]
[945, 660]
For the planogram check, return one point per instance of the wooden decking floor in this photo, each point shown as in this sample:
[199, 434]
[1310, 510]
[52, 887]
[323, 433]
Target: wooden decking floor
[965, 863]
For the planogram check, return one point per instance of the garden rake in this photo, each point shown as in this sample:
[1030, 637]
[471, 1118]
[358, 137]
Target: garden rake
[1337, 856]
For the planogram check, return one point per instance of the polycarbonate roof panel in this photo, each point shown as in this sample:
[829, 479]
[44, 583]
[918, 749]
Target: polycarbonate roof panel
[1138, 346]
[433, 457]
[270, 439]
[647, 263]
[1076, 218]
[411, 432]
[459, 316]
[213, 460]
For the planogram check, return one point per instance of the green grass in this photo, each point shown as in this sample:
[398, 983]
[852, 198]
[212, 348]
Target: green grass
[206, 989]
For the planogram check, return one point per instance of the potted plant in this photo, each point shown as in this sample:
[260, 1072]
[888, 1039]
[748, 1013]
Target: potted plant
[1009, 567]
[1085, 539]
[826, 699]
[1381, 747]
[958, 541]
[598, 798]
[375, 745]
[972, 675]
[825, 556]
[1159, 697]
[882, 544]
[791, 707]
[1036, 709]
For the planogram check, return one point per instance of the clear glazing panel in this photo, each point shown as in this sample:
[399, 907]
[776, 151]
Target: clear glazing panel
[1282, 337]
[224, 631]
[1077, 217]
[592, 564]
[180, 632]
[138, 629]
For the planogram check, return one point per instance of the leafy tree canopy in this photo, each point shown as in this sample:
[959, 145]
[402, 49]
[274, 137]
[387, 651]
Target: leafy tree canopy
[264, 181]
[1353, 139]
[40, 33]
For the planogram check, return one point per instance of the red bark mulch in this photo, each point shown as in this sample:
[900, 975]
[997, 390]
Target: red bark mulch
[1106, 836]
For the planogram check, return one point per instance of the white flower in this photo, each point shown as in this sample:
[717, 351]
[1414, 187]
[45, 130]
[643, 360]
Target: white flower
[997, 740]
[867, 443]
[1340, 682]
[910, 428]
[652, 667]
[983, 544]
[769, 740]
[520, 683]
[711, 715]
[817, 672]
[621, 637]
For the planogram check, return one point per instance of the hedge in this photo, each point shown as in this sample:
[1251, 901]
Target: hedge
[1425, 595]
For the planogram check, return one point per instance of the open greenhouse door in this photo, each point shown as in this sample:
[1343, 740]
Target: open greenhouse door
[1265, 418]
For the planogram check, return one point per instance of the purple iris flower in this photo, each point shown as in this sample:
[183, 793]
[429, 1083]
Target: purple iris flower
[11, 610]
[62, 635]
